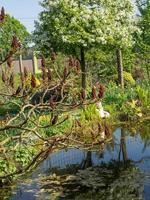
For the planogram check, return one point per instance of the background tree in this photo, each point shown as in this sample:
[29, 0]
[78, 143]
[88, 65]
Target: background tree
[82, 25]
[8, 28]
[143, 40]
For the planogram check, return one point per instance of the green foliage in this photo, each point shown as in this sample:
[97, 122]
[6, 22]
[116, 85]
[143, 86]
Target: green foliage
[143, 95]
[131, 104]
[130, 111]
[8, 28]
[62, 128]
[10, 108]
[88, 113]
[128, 78]
[23, 155]
[101, 63]
[115, 95]
[142, 40]
[3, 165]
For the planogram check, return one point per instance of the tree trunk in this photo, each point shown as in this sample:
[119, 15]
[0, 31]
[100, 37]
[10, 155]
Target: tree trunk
[21, 69]
[123, 146]
[83, 68]
[88, 161]
[120, 68]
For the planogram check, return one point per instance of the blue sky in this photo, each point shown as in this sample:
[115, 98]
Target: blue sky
[25, 11]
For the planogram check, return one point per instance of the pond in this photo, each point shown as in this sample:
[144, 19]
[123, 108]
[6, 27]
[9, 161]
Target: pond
[127, 155]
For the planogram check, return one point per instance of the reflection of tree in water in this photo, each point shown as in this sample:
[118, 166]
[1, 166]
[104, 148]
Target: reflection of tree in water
[116, 180]
[108, 181]
[144, 131]
[123, 148]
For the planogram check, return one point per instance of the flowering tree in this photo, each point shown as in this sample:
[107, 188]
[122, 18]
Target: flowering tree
[84, 24]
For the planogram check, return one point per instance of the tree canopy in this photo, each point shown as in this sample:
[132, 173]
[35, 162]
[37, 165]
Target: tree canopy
[85, 23]
[143, 40]
[144, 20]
[8, 28]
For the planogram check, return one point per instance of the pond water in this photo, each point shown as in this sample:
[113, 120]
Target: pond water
[127, 145]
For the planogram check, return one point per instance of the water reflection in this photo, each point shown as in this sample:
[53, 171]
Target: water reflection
[130, 147]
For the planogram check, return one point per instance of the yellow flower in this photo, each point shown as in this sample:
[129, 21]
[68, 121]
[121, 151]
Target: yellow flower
[44, 118]
[28, 82]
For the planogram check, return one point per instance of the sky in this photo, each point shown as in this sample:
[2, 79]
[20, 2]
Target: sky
[26, 11]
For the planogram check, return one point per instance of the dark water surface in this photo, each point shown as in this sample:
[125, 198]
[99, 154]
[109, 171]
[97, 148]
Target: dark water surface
[133, 145]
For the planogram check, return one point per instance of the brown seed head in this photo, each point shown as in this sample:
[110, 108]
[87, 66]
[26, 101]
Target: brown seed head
[65, 74]
[43, 62]
[107, 131]
[77, 65]
[51, 103]
[2, 14]
[33, 81]
[71, 62]
[49, 74]
[15, 43]
[83, 95]
[54, 119]
[44, 74]
[18, 90]
[101, 91]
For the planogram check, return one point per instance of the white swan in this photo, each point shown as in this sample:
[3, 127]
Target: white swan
[101, 111]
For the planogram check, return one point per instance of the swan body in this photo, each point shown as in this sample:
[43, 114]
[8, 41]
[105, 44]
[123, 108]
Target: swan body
[101, 111]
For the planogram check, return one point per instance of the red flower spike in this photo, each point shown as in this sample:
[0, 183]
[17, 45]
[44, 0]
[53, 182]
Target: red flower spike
[15, 43]
[101, 91]
[49, 74]
[107, 131]
[83, 95]
[51, 103]
[2, 14]
[94, 93]
[77, 64]
[33, 81]
[18, 90]
[65, 73]
[43, 73]
[71, 62]
[54, 120]
[43, 62]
